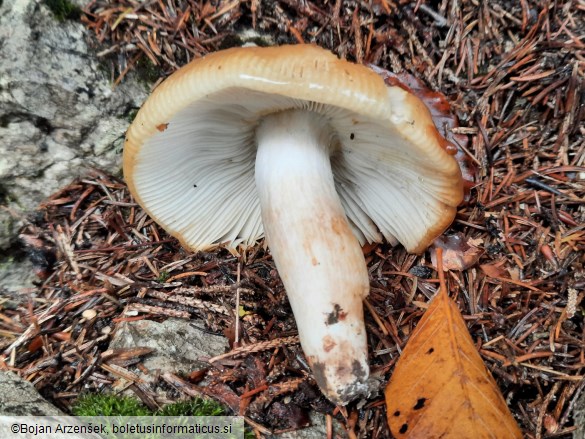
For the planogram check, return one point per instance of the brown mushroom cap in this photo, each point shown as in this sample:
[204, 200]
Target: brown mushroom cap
[189, 154]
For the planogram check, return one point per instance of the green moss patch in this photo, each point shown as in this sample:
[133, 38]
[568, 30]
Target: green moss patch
[109, 405]
[63, 9]
[115, 405]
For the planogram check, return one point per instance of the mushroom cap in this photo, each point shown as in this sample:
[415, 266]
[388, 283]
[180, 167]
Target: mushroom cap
[189, 154]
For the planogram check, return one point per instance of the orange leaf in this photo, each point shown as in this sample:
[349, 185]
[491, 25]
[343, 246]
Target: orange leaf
[440, 387]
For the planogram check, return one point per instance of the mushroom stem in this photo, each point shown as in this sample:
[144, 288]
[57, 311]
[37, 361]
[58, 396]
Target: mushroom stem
[319, 259]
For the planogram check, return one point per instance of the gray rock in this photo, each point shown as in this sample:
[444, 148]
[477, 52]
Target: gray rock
[58, 114]
[16, 278]
[19, 398]
[179, 345]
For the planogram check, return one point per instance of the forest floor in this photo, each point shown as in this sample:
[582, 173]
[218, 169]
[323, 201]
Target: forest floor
[512, 72]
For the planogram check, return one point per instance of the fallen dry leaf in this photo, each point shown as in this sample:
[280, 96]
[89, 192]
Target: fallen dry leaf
[440, 387]
[459, 252]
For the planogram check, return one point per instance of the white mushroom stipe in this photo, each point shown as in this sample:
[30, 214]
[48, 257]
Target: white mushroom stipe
[316, 253]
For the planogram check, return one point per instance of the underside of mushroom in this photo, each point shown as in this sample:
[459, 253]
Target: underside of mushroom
[388, 188]
[317, 255]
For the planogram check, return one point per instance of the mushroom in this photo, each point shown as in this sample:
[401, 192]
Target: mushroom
[316, 154]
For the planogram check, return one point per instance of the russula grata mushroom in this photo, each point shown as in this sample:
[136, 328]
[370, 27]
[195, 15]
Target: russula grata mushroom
[313, 152]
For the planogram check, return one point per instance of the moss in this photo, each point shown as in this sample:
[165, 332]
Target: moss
[6, 262]
[64, 9]
[163, 276]
[131, 115]
[193, 407]
[230, 40]
[147, 71]
[115, 405]
[109, 405]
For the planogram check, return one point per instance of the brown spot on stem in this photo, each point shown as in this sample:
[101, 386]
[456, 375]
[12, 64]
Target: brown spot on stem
[328, 343]
[339, 226]
[314, 261]
[162, 127]
[336, 315]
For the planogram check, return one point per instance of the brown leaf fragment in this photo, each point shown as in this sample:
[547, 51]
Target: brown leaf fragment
[35, 344]
[459, 253]
[197, 375]
[440, 387]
